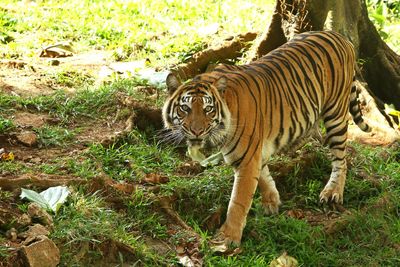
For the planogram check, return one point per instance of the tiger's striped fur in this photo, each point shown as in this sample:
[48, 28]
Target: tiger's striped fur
[259, 108]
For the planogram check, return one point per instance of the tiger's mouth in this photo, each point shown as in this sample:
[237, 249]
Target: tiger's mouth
[195, 142]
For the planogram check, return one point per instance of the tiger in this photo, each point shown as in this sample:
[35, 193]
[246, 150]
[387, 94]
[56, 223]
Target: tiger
[258, 109]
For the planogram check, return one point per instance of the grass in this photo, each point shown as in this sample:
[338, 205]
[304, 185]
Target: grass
[6, 125]
[86, 222]
[124, 28]
[368, 233]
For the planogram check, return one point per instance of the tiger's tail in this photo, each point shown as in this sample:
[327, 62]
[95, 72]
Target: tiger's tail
[355, 110]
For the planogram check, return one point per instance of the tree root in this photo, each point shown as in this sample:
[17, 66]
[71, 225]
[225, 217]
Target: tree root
[231, 49]
[44, 181]
[165, 204]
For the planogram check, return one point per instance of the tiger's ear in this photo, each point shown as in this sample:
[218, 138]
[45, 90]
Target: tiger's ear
[220, 84]
[173, 82]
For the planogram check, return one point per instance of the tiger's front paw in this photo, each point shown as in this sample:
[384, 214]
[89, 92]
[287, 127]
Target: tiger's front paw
[271, 202]
[226, 240]
[331, 194]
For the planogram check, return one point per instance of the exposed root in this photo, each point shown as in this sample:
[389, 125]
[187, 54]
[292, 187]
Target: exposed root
[231, 49]
[166, 205]
[188, 248]
[44, 181]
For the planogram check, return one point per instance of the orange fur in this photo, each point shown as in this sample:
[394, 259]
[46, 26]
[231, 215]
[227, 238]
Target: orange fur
[265, 106]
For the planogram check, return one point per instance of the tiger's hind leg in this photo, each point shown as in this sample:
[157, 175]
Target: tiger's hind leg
[269, 193]
[336, 136]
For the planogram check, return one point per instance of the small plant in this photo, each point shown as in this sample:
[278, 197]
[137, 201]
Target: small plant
[5, 195]
[6, 125]
[54, 136]
[73, 79]
[4, 250]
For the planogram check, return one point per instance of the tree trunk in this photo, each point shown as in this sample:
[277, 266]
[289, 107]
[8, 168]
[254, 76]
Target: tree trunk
[379, 66]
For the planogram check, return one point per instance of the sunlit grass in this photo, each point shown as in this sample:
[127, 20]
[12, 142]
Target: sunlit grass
[175, 27]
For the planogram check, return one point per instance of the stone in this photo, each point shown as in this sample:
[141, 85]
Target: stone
[34, 231]
[27, 138]
[39, 214]
[41, 253]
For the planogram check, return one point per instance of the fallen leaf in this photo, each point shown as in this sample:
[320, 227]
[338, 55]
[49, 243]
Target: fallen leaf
[284, 261]
[27, 138]
[124, 187]
[190, 168]
[61, 49]
[195, 153]
[212, 160]
[214, 220]
[155, 178]
[189, 254]
[52, 198]
[6, 156]
[297, 214]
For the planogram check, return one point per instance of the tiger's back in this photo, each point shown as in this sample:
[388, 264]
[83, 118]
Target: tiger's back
[259, 108]
[282, 95]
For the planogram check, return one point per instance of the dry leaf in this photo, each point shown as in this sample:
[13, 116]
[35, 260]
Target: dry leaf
[124, 187]
[297, 214]
[155, 178]
[6, 156]
[214, 220]
[28, 138]
[284, 261]
[189, 255]
[62, 49]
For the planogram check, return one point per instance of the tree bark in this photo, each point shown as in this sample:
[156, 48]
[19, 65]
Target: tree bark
[379, 65]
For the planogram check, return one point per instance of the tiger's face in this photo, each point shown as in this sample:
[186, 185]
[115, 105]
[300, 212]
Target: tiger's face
[196, 111]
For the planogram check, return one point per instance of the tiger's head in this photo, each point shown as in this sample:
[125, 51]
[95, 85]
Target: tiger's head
[196, 111]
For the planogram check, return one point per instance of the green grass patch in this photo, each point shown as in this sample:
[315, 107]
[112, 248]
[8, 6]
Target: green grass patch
[135, 158]
[85, 223]
[112, 25]
[6, 125]
[88, 102]
[54, 136]
[12, 167]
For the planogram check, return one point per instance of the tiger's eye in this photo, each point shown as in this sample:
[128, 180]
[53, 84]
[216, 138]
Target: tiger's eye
[185, 108]
[208, 109]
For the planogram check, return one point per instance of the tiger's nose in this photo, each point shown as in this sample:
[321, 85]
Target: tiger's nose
[197, 130]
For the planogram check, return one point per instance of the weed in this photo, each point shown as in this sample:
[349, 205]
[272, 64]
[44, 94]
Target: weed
[53, 136]
[386, 17]
[6, 125]
[12, 167]
[4, 250]
[132, 161]
[71, 78]
[5, 195]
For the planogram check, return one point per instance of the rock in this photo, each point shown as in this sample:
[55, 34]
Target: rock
[41, 253]
[27, 138]
[29, 120]
[34, 231]
[54, 62]
[12, 234]
[23, 220]
[38, 214]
